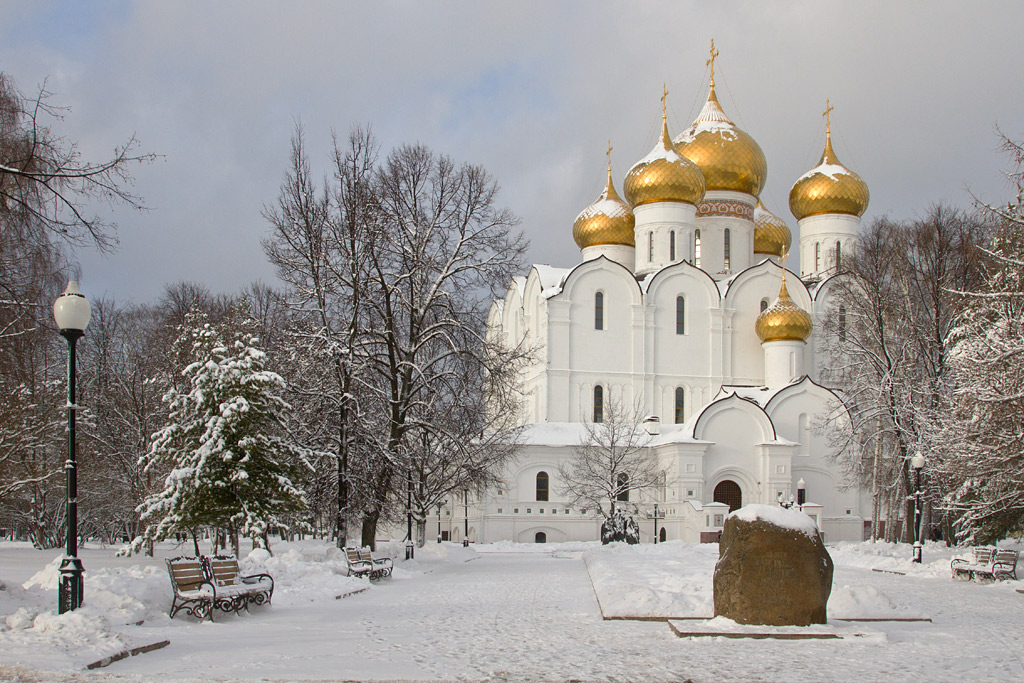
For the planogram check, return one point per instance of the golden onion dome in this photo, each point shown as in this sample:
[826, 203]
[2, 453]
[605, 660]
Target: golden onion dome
[784, 320]
[771, 234]
[609, 220]
[829, 187]
[727, 156]
[664, 175]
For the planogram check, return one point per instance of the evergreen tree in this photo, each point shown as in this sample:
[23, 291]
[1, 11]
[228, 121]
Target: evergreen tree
[231, 463]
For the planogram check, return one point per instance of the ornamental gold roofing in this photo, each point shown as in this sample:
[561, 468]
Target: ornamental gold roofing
[609, 220]
[771, 234]
[829, 187]
[727, 156]
[784, 320]
[664, 175]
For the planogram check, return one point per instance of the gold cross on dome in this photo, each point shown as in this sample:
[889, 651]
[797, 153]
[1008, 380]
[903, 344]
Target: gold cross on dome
[664, 98]
[828, 115]
[711, 60]
[609, 156]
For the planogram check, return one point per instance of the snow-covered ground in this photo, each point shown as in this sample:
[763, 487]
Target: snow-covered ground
[503, 612]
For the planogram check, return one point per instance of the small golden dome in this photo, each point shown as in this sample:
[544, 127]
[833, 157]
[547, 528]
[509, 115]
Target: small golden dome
[784, 320]
[728, 157]
[609, 220]
[771, 234]
[829, 187]
[664, 175]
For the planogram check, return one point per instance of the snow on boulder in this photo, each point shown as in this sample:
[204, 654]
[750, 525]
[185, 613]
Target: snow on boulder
[779, 516]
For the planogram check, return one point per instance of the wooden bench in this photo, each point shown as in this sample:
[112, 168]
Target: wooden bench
[200, 584]
[381, 566]
[986, 564]
[234, 591]
[362, 563]
[193, 591]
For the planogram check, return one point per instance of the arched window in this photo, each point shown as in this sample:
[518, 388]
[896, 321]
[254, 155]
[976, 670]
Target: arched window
[598, 403]
[727, 248]
[764, 305]
[622, 484]
[696, 248]
[672, 246]
[842, 323]
[650, 247]
[540, 537]
[599, 311]
[839, 256]
[817, 257]
[680, 315]
[680, 405]
[542, 486]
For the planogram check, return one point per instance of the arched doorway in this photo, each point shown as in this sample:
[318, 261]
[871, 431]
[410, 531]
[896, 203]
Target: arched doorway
[541, 537]
[661, 536]
[728, 492]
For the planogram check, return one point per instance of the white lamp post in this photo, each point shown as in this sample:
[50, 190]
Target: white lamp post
[71, 310]
[917, 463]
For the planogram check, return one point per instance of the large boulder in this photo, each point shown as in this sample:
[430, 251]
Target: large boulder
[772, 568]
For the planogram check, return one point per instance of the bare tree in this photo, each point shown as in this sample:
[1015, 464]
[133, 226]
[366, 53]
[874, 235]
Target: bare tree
[611, 462]
[883, 343]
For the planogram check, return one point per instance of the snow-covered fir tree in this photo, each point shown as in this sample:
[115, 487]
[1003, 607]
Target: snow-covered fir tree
[982, 431]
[231, 464]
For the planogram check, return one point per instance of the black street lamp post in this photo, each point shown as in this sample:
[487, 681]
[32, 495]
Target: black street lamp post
[465, 512]
[917, 463]
[655, 523]
[801, 493]
[71, 311]
[410, 547]
[439, 506]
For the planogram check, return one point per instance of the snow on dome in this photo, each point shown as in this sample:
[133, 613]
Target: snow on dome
[828, 188]
[664, 175]
[778, 516]
[609, 220]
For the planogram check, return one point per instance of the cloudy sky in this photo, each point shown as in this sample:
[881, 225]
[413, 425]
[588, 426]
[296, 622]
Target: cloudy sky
[531, 90]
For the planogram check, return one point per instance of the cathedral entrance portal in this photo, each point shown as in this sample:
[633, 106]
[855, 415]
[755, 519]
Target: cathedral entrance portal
[729, 492]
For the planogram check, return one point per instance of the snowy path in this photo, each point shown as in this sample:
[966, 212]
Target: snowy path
[529, 615]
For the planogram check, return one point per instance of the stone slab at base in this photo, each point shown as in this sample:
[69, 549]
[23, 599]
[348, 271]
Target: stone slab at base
[129, 652]
[718, 628]
[889, 571]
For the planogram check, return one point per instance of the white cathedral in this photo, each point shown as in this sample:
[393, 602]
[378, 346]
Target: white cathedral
[679, 305]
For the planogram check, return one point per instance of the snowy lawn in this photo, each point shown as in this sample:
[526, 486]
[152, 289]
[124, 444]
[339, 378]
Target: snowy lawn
[501, 612]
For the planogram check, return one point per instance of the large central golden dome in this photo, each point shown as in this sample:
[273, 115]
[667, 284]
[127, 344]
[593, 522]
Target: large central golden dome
[664, 175]
[829, 187]
[609, 220]
[771, 234]
[727, 156]
[784, 320]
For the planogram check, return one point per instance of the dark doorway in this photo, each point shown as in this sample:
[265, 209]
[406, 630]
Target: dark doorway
[661, 536]
[541, 537]
[728, 492]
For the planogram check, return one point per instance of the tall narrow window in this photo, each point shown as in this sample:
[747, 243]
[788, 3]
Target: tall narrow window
[599, 311]
[839, 256]
[672, 246]
[542, 486]
[764, 305]
[842, 323]
[728, 249]
[817, 257]
[598, 403]
[680, 315]
[650, 247]
[679, 405]
[696, 248]
[622, 485]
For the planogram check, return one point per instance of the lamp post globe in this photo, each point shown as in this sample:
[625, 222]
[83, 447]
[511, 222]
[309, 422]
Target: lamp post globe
[917, 463]
[72, 312]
